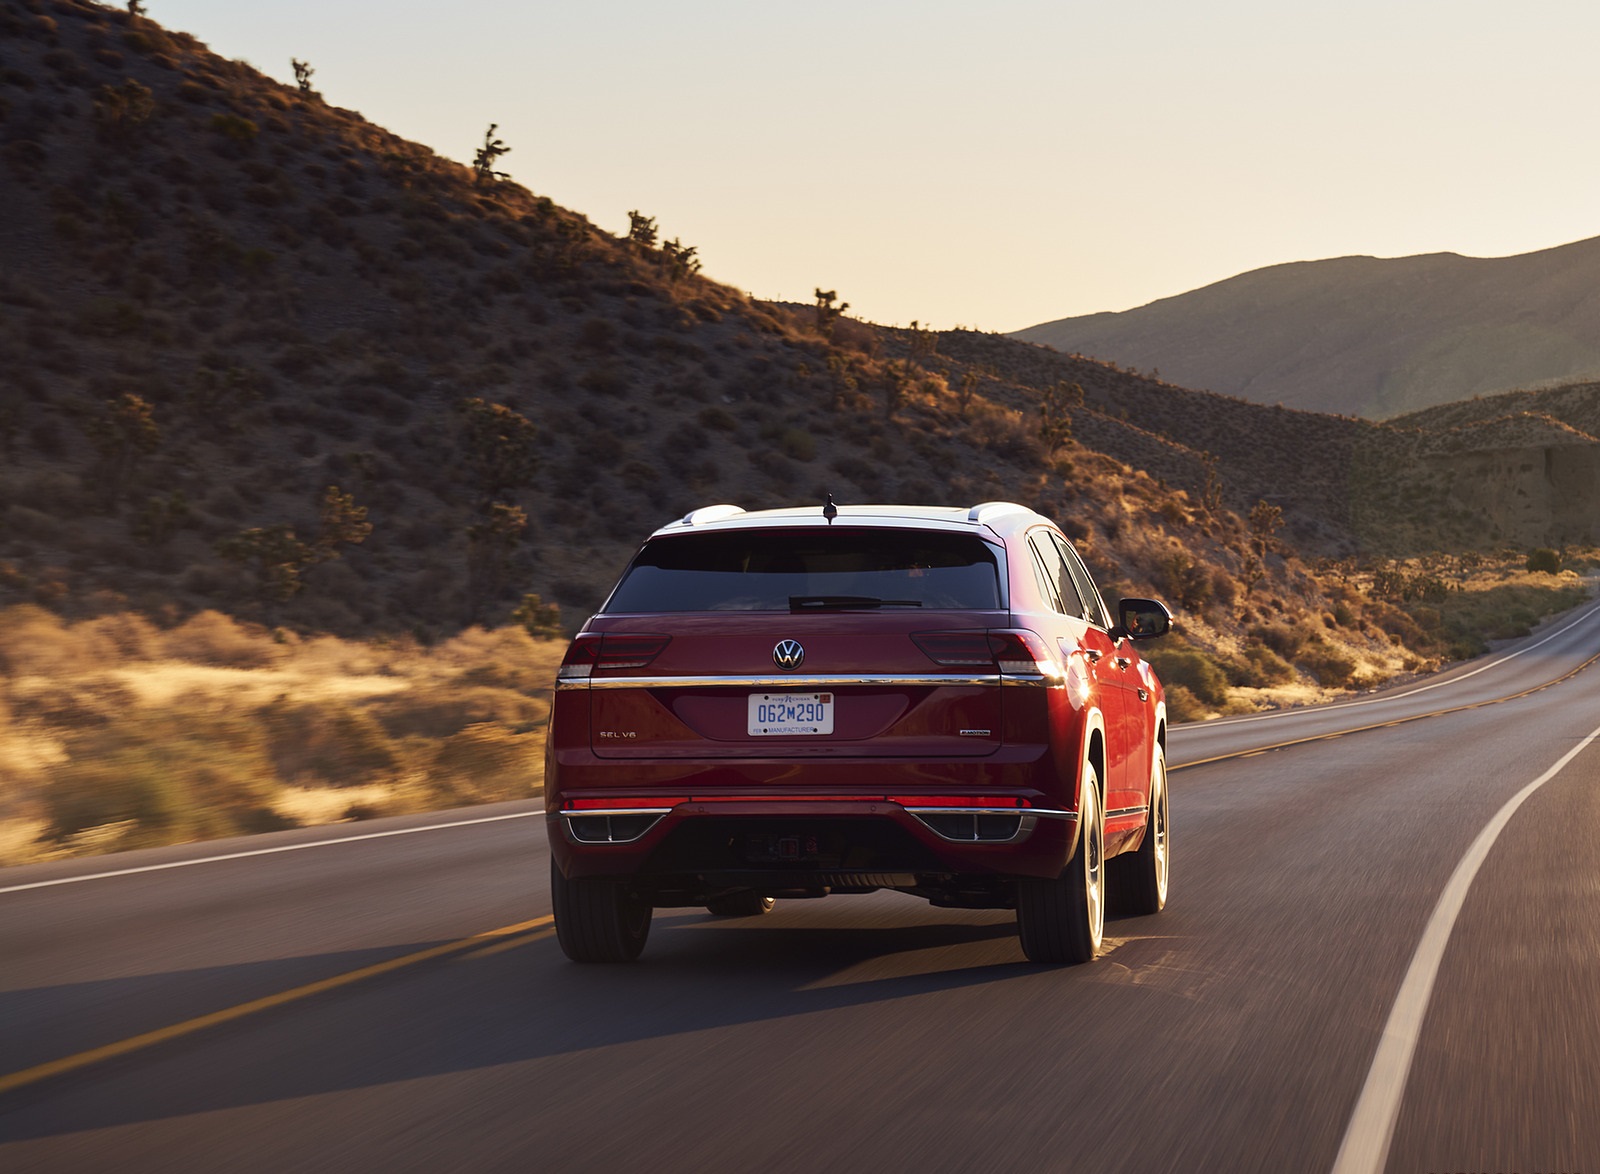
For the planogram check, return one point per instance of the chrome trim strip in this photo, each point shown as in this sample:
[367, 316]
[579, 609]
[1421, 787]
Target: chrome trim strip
[1024, 825]
[833, 681]
[1041, 812]
[660, 813]
[1119, 812]
[614, 811]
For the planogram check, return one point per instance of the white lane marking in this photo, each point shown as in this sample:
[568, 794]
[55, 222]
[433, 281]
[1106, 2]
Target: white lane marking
[1365, 1149]
[432, 827]
[1257, 717]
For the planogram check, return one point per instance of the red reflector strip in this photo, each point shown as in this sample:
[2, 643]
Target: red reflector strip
[787, 799]
[627, 802]
[997, 802]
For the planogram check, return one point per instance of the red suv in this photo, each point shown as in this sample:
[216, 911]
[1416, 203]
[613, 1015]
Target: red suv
[800, 702]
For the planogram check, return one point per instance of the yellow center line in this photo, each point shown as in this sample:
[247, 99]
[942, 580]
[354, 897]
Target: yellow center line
[1399, 721]
[513, 944]
[147, 1039]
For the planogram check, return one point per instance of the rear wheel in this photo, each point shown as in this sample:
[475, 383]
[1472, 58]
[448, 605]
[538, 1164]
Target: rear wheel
[1139, 879]
[596, 918]
[1062, 920]
[746, 904]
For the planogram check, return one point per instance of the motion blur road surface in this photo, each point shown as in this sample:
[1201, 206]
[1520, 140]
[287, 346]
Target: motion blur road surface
[1233, 1032]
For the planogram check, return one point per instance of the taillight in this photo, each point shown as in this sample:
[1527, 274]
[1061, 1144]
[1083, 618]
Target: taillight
[611, 650]
[1009, 651]
[629, 651]
[956, 650]
[1023, 653]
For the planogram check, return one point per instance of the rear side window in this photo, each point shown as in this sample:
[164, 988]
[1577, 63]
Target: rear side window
[1053, 562]
[813, 569]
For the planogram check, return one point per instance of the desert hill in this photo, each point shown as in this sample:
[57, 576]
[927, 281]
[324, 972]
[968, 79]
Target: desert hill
[1576, 405]
[1367, 336]
[224, 298]
[311, 438]
[262, 357]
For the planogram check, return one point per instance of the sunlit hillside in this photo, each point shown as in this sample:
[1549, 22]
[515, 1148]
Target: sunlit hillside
[314, 439]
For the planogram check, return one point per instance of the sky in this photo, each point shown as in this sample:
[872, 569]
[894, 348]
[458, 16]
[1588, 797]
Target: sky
[989, 165]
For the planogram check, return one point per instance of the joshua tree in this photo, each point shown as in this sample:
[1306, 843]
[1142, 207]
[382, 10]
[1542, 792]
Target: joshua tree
[1265, 522]
[1211, 495]
[339, 520]
[896, 376]
[302, 76]
[491, 542]
[278, 556]
[121, 110]
[483, 169]
[969, 387]
[123, 433]
[827, 312]
[679, 259]
[1055, 421]
[641, 229]
[500, 448]
[540, 618]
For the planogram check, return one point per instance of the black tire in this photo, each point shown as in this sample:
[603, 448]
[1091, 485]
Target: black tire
[597, 920]
[1138, 880]
[1062, 920]
[745, 904]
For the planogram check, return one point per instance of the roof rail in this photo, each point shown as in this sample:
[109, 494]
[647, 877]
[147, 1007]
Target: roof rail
[710, 513]
[985, 510]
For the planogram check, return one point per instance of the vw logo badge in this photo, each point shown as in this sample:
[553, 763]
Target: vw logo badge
[789, 655]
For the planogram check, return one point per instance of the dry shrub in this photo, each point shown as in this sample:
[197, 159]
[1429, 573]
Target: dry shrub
[329, 743]
[331, 656]
[32, 640]
[1191, 670]
[77, 704]
[499, 674]
[1005, 433]
[484, 763]
[1184, 706]
[1332, 668]
[438, 712]
[213, 638]
[1284, 639]
[511, 647]
[133, 636]
[1264, 667]
[168, 777]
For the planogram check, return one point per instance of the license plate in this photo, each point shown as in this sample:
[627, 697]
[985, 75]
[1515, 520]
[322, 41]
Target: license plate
[790, 713]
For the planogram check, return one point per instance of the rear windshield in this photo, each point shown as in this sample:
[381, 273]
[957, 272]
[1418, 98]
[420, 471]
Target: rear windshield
[810, 570]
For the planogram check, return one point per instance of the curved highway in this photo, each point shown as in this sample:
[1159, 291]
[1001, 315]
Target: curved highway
[1382, 952]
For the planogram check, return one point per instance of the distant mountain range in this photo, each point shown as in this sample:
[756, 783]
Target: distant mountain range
[1364, 336]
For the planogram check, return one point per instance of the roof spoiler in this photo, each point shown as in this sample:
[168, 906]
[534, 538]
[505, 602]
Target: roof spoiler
[984, 511]
[710, 513]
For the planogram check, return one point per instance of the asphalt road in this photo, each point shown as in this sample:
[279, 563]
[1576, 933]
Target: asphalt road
[1236, 1031]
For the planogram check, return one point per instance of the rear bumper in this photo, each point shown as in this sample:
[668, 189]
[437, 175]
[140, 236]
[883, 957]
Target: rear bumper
[815, 842]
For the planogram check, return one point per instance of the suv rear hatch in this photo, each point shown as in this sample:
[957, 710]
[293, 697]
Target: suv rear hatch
[846, 641]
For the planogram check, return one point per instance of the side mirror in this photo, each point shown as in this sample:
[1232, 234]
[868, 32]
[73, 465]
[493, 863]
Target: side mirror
[1141, 619]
